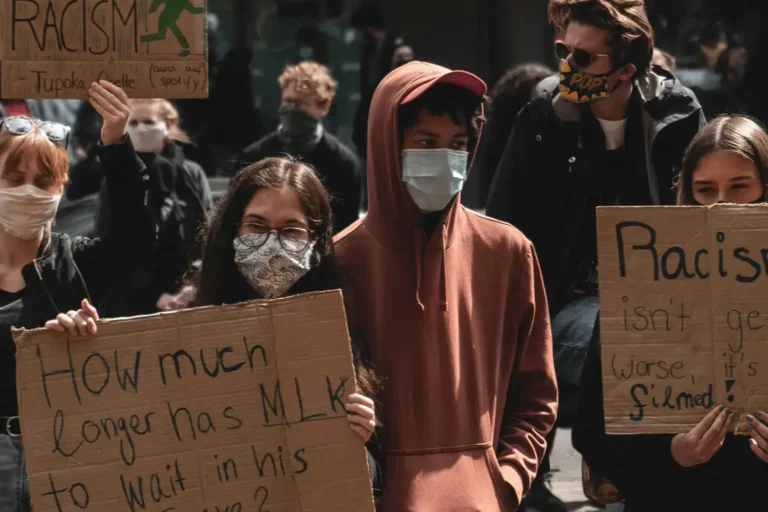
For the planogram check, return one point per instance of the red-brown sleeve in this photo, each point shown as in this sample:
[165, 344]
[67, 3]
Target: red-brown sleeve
[531, 406]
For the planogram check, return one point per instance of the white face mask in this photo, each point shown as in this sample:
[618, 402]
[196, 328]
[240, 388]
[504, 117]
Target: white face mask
[26, 211]
[148, 138]
[433, 177]
[270, 269]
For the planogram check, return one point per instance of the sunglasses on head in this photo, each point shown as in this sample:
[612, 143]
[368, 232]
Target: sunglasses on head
[21, 125]
[582, 58]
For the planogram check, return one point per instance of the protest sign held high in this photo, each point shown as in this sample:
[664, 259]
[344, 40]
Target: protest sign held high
[150, 48]
[225, 408]
[683, 314]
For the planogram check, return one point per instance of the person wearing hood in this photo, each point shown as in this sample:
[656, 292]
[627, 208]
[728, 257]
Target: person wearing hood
[180, 198]
[45, 274]
[451, 304]
[609, 129]
[308, 91]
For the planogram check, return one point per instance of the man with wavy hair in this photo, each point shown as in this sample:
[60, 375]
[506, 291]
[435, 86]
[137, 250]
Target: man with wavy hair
[609, 129]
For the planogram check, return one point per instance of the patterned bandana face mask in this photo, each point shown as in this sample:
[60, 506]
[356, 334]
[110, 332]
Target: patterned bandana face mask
[271, 269]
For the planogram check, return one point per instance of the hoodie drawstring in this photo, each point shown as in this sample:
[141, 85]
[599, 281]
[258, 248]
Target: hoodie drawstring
[443, 272]
[418, 236]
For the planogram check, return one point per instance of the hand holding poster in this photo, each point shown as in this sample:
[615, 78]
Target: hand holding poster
[231, 408]
[149, 48]
[683, 314]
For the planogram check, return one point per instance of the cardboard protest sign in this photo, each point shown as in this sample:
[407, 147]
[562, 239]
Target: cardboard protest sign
[683, 314]
[57, 48]
[228, 408]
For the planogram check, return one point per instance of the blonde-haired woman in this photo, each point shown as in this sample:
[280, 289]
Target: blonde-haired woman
[180, 197]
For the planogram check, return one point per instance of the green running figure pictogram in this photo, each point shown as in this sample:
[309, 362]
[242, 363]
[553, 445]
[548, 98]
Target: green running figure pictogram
[168, 21]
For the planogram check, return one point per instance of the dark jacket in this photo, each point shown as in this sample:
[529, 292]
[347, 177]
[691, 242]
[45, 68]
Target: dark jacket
[544, 179]
[337, 166]
[67, 270]
[646, 474]
[180, 198]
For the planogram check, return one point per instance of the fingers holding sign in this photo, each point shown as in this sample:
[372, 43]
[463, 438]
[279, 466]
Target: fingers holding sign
[77, 323]
[361, 415]
[758, 433]
[113, 105]
[705, 439]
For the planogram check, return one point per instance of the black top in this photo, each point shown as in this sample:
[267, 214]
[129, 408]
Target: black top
[69, 270]
[337, 166]
[9, 299]
[615, 177]
[11, 305]
[180, 197]
[546, 176]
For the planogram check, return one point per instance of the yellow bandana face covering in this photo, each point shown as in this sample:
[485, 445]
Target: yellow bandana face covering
[581, 87]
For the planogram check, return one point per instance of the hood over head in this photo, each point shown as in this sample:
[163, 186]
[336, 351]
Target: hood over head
[392, 214]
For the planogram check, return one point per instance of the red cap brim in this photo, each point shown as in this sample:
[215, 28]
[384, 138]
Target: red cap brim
[463, 79]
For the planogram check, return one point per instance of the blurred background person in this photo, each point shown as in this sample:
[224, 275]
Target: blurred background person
[308, 91]
[233, 120]
[179, 196]
[193, 111]
[510, 94]
[377, 61]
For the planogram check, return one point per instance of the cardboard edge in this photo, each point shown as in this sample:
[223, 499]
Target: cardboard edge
[21, 335]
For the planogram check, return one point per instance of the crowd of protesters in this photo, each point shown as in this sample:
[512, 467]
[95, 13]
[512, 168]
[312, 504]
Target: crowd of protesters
[474, 337]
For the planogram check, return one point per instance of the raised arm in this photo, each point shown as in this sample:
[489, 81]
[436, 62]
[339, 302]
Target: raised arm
[129, 228]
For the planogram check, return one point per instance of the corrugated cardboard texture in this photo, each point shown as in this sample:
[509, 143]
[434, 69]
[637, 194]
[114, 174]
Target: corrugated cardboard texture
[683, 329]
[57, 48]
[251, 419]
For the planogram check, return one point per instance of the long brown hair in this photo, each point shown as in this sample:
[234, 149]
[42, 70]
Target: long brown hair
[737, 134]
[219, 281]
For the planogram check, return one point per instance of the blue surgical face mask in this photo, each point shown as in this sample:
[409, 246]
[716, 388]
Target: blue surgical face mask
[433, 177]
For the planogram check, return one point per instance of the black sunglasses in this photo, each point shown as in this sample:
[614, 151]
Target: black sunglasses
[21, 125]
[582, 58]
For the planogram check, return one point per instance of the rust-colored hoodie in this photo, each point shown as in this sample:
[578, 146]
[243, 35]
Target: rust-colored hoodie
[459, 332]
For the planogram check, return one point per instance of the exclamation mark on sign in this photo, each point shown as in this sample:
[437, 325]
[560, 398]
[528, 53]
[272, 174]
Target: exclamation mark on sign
[728, 386]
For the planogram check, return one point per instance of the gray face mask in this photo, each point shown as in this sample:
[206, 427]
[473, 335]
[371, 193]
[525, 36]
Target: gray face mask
[299, 131]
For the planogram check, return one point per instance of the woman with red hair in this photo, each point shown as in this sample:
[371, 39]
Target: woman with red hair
[46, 275]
